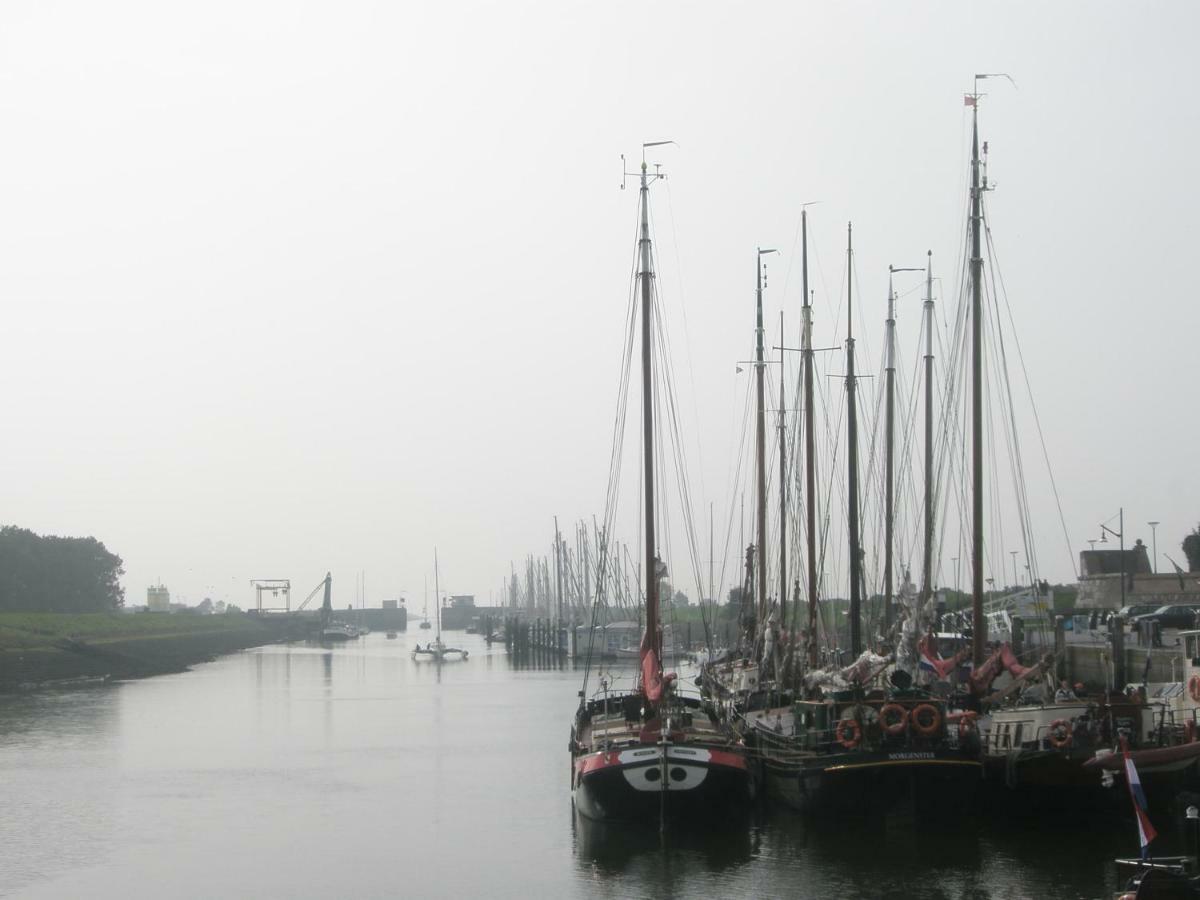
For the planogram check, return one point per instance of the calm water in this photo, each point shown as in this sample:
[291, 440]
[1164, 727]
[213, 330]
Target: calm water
[299, 771]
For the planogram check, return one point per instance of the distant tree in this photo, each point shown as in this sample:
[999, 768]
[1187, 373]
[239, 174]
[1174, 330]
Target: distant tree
[219, 606]
[735, 597]
[205, 606]
[680, 599]
[58, 574]
[1191, 547]
[233, 608]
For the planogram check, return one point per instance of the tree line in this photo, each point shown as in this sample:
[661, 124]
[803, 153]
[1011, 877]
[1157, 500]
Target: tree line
[57, 574]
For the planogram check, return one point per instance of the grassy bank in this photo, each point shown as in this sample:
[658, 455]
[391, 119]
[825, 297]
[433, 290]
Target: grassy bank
[40, 647]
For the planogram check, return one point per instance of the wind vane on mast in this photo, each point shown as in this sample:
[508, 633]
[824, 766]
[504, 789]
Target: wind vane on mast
[657, 174]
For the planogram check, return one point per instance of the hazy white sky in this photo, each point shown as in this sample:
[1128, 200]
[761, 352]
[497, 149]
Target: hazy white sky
[291, 287]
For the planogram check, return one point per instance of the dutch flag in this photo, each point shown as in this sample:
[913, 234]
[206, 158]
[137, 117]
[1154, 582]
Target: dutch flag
[1146, 832]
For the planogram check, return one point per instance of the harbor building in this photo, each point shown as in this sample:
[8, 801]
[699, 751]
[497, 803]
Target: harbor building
[158, 598]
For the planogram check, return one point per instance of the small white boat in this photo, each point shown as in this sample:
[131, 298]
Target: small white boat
[436, 650]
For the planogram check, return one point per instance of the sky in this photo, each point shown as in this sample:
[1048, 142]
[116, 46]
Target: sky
[296, 287]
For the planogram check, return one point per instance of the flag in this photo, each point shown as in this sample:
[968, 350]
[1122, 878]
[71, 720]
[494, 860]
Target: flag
[930, 661]
[968, 99]
[1146, 832]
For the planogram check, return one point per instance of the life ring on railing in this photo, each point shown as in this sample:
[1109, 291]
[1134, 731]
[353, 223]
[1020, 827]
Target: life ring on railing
[967, 724]
[926, 719]
[1060, 733]
[1194, 688]
[849, 733]
[893, 718]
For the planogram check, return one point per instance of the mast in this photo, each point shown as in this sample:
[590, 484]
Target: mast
[852, 457]
[810, 460]
[889, 517]
[558, 595]
[761, 445]
[782, 488]
[889, 490]
[979, 626]
[437, 599]
[644, 276]
[927, 561]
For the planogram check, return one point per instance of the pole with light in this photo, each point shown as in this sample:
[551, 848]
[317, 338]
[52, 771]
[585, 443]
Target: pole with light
[1119, 534]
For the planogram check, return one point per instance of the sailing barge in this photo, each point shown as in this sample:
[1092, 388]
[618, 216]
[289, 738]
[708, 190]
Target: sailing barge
[652, 754]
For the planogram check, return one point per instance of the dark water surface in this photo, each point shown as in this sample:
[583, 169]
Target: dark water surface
[301, 771]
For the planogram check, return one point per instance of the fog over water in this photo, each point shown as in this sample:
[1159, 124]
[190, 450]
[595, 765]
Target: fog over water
[291, 288]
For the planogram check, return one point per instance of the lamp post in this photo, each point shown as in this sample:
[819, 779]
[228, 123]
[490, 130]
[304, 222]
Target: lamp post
[1120, 535]
[1016, 581]
[1154, 546]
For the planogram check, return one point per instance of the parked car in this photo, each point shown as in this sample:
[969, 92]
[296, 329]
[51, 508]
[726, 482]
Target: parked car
[1172, 616]
[1137, 609]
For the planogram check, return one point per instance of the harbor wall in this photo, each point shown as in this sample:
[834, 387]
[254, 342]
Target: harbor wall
[1092, 664]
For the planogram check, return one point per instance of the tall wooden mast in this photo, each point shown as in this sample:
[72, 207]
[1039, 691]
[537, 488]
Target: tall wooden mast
[761, 447]
[810, 457]
[645, 274]
[927, 558]
[783, 487]
[889, 516]
[979, 626]
[852, 458]
[889, 425]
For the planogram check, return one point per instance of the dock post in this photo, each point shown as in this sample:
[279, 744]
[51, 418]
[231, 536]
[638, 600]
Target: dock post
[1060, 646]
[1018, 636]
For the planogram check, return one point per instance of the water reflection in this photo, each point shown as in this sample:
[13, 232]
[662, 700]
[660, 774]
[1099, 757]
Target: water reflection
[608, 849]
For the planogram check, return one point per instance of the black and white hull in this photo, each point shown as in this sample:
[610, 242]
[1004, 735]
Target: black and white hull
[647, 781]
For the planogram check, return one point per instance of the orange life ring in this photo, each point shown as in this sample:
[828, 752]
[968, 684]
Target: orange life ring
[900, 715]
[849, 733]
[967, 723]
[926, 719]
[1060, 733]
[1194, 687]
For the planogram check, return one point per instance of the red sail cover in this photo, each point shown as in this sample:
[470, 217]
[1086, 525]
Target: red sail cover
[653, 682]
[1002, 659]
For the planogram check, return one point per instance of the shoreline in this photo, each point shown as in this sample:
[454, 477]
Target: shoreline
[44, 650]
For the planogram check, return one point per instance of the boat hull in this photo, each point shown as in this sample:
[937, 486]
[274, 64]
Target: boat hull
[874, 783]
[1057, 780]
[648, 781]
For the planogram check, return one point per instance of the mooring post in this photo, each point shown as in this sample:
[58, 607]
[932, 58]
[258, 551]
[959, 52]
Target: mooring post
[1018, 635]
[1117, 635]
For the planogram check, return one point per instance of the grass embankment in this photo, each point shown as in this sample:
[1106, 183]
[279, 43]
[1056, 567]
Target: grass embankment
[40, 647]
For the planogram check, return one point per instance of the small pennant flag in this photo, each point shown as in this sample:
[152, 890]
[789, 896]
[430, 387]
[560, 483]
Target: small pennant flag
[968, 99]
[1146, 832]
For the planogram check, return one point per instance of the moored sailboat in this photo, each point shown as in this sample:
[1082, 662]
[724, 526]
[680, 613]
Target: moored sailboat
[849, 740]
[652, 754]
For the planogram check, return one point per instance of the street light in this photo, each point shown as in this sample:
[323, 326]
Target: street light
[1016, 581]
[1154, 543]
[1120, 535]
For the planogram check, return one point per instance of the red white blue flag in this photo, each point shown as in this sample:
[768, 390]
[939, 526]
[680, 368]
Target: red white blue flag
[1146, 832]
